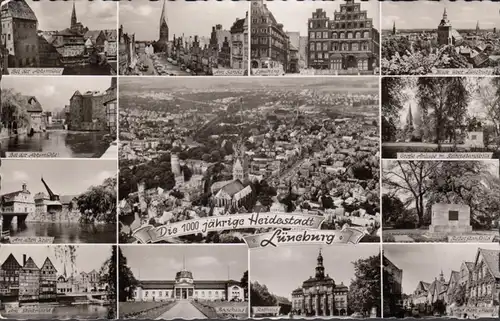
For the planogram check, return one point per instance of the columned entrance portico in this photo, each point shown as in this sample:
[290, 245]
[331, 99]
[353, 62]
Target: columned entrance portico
[184, 293]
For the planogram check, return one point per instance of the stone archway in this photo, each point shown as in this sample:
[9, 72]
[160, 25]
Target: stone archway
[255, 64]
[351, 62]
[342, 312]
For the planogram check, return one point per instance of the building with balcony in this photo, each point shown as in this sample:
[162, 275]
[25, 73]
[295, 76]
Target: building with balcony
[269, 41]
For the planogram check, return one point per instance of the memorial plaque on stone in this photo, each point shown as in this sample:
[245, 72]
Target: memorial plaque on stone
[450, 218]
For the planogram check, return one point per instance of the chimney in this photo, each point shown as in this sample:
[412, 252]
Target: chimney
[24, 259]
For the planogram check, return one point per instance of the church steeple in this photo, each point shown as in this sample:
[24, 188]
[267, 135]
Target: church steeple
[445, 15]
[320, 269]
[394, 27]
[74, 21]
[477, 27]
[163, 25]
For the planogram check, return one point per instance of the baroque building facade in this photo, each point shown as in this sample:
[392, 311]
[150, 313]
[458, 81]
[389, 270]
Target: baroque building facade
[348, 41]
[319, 295]
[185, 287]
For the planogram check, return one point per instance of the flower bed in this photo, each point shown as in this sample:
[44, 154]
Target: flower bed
[143, 310]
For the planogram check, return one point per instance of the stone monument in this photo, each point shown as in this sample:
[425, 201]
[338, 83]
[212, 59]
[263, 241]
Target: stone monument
[450, 218]
[474, 139]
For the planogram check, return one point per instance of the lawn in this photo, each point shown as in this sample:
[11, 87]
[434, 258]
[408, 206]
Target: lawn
[143, 310]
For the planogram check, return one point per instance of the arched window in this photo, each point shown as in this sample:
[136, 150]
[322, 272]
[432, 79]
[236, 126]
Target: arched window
[342, 35]
[349, 35]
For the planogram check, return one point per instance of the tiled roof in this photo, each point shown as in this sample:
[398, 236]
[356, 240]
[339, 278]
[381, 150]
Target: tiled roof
[9, 260]
[238, 25]
[92, 35]
[492, 260]
[469, 265]
[11, 194]
[35, 107]
[66, 199]
[111, 34]
[30, 265]
[233, 187]
[208, 285]
[146, 285]
[21, 10]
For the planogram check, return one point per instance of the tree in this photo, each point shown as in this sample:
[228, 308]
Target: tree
[14, 109]
[98, 203]
[443, 102]
[393, 209]
[260, 295]
[364, 290]
[458, 296]
[409, 178]
[127, 282]
[108, 276]
[489, 94]
[188, 173]
[244, 283]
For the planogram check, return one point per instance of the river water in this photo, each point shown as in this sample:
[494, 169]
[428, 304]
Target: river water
[63, 143]
[67, 232]
[67, 312]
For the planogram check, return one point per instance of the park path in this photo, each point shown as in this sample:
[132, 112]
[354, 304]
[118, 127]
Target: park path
[183, 310]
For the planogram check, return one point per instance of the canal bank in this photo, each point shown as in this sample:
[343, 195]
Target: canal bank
[63, 143]
[58, 311]
[66, 232]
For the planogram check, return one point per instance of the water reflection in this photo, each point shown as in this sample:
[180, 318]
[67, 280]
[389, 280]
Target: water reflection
[67, 232]
[64, 143]
[82, 311]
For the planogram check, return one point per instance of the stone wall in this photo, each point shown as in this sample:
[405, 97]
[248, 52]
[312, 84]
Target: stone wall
[441, 215]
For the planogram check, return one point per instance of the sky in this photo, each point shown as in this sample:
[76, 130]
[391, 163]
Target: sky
[427, 14]
[206, 262]
[54, 93]
[424, 262]
[88, 257]
[283, 269]
[64, 177]
[189, 18]
[56, 15]
[294, 15]
[475, 108]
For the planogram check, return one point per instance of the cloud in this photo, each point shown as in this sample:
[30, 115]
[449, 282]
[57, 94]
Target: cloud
[204, 261]
[19, 176]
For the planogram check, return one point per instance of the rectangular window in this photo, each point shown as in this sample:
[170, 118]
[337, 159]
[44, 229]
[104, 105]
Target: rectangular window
[453, 215]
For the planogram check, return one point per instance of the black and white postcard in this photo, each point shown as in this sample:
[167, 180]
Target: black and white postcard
[58, 201]
[311, 282]
[168, 282]
[66, 117]
[184, 38]
[59, 37]
[440, 201]
[440, 117]
[440, 37]
[441, 280]
[216, 160]
[314, 37]
[58, 282]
